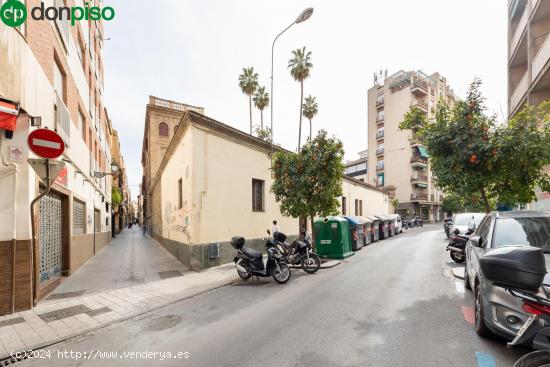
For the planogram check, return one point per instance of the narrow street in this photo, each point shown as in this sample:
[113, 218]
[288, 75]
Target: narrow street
[395, 303]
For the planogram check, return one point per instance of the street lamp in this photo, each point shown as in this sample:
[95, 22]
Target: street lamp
[114, 170]
[304, 15]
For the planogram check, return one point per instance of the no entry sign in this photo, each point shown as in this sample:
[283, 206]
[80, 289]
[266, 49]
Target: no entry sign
[46, 143]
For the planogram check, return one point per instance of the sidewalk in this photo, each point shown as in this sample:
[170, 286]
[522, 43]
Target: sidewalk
[51, 322]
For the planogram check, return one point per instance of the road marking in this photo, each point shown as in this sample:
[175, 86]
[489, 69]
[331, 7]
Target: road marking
[485, 360]
[459, 287]
[468, 313]
[46, 143]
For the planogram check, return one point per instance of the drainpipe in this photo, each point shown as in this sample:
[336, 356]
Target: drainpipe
[15, 171]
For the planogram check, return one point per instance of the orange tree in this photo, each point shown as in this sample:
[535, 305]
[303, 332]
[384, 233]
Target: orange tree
[471, 155]
[308, 184]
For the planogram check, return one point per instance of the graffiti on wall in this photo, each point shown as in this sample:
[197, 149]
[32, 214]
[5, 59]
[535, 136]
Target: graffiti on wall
[178, 220]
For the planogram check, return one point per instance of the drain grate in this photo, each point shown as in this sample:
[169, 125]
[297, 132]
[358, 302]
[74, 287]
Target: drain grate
[66, 295]
[63, 313]
[169, 274]
[15, 320]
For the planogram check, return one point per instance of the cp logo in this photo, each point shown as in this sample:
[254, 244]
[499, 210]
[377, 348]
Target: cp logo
[13, 13]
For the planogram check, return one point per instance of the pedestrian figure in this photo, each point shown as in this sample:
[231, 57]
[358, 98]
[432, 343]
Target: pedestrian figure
[143, 228]
[275, 228]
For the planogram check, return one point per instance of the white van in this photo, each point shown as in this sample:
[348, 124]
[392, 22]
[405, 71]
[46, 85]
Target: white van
[398, 222]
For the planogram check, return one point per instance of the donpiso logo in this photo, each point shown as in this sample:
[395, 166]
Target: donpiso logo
[13, 13]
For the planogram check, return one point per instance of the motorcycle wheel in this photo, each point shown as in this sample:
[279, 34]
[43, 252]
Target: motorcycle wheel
[283, 275]
[539, 358]
[312, 265]
[244, 276]
[457, 257]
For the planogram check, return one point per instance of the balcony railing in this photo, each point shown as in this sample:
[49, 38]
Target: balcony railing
[419, 178]
[422, 106]
[519, 31]
[379, 151]
[379, 168]
[519, 92]
[380, 135]
[380, 102]
[159, 102]
[418, 160]
[419, 86]
[419, 197]
[541, 58]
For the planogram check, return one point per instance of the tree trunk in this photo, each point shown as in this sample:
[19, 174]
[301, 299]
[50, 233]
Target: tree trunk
[262, 119]
[313, 247]
[250, 109]
[309, 129]
[301, 101]
[485, 200]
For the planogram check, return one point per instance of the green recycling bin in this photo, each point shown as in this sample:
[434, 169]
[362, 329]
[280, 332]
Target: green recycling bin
[332, 238]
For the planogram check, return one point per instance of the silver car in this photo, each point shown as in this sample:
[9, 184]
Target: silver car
[460, 221]
[496, 311]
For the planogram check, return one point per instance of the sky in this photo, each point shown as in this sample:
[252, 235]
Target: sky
[193, 52]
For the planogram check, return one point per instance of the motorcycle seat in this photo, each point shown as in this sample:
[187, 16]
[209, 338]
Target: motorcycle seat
[254, 254]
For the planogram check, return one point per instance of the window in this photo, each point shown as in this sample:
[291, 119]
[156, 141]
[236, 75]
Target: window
[163, 129]
[90, 144]
[257, 195]
[59, 81]
[356, 207]
[343, 205]
[360, 208]
[79, 217]
[533, 231]
[180, 193]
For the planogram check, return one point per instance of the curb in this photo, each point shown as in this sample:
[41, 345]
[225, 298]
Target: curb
[9, 357]
[458, 272]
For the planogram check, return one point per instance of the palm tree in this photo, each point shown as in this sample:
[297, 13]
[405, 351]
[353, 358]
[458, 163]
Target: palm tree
[261, 101]
[248, 81]
[310, 109]
[299, 66]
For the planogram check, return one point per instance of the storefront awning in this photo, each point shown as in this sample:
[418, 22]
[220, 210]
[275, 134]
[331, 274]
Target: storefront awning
[8, 115]
[423, 152]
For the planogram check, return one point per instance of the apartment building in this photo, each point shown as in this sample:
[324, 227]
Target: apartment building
[52, 77]
[358, 167]
[395, 162]
[529, 62]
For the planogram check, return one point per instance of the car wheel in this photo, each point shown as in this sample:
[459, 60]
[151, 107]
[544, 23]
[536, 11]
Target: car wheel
[480, 326]
[466, 277]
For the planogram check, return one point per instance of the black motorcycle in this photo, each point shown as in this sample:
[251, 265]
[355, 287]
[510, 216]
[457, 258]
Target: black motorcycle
[520, 271]
[447, 226]
[299, 252]
[249, 262]
[457, 243]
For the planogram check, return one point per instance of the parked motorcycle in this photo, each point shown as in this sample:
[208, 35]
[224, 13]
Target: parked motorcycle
[447, 226]
[457, 243]
[520, 271]
[299, 252]
[249, 262]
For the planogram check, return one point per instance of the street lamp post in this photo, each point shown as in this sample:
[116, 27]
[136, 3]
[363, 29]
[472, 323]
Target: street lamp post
[304, 15]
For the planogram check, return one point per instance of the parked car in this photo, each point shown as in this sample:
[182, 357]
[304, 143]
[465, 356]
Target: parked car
[461, 220]
[398, 223]
[496, 311]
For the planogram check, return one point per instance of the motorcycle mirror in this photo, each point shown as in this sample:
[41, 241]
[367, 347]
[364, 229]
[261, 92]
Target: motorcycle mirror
[456, 231]
[268, 231]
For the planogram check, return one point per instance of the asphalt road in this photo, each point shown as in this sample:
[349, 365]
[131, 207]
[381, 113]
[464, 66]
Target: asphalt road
[395, 303]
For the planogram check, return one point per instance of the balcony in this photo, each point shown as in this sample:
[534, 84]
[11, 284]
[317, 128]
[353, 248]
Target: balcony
[519, 92]
[541, 58]
[421, 105]
[519, 32]
[419, 179]
[380, 102]
[419, 162]
[379, 168]
[379, 119]
[379, 152]
[380, 135]
[419, 197]
[177, 106]
[419, 87]
[62, 121]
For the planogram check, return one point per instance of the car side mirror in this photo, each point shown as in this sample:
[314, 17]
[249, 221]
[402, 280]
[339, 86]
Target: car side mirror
[476, 241]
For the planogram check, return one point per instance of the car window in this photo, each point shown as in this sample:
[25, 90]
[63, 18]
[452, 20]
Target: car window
[462, 219]
[483, 230]
[523, 232]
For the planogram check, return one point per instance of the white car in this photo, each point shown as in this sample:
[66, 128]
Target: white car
[461, 221]
[398, 223]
